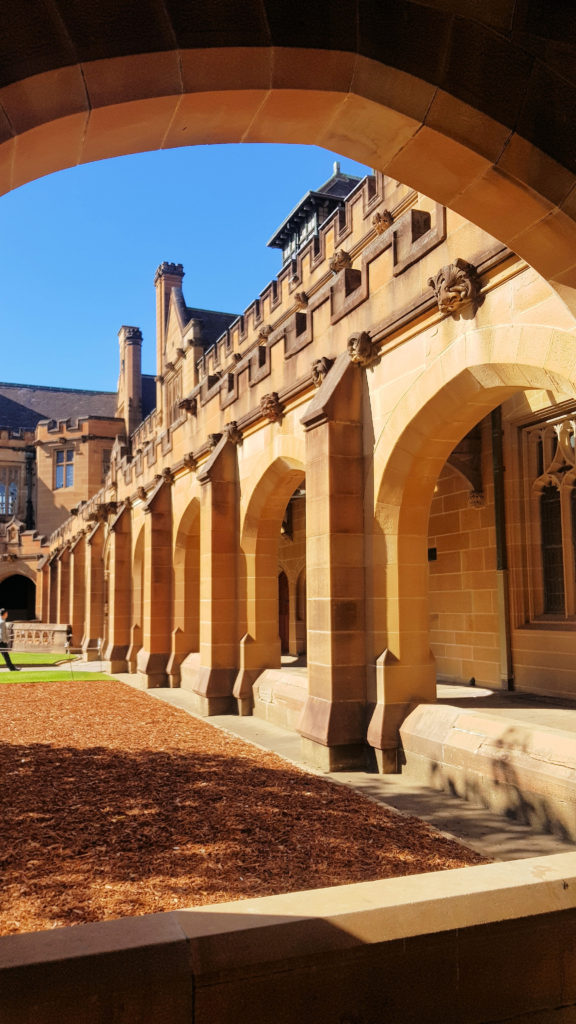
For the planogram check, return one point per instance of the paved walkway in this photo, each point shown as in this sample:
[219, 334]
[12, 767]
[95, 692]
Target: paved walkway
[469, 823]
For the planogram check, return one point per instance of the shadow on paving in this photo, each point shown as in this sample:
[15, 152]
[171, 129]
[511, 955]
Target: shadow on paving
[93, 833]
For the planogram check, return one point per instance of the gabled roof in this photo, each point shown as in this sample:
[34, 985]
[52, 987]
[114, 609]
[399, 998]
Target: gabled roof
[332, 194]
[22, 406]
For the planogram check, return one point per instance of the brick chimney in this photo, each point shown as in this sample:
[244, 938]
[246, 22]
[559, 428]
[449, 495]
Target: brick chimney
[130, 377]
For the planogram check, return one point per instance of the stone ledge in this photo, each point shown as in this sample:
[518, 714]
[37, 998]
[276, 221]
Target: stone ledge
[509, 765]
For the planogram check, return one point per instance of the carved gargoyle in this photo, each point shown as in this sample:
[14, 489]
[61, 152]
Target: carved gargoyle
[320, 368]
[382, 221]
[341, 260]
[190, 405]
[141, 492]
[271, 407]
[456, 286]
[167, 476]
[301, 300]
[233, 433]
[189, 461]
[264, 333]
[213, 439]
[362, 350]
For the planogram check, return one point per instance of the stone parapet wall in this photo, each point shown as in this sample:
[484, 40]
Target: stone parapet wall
[450, 947]
[39, 636]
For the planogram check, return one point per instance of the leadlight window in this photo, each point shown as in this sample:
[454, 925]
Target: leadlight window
[550, 477]
[64, 468]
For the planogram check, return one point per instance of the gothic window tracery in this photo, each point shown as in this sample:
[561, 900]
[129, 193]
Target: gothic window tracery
[550, 461]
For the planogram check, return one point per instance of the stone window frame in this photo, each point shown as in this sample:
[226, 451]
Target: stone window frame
[549, 460]
[64, 464]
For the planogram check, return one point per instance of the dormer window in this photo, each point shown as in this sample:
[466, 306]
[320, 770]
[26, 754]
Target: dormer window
[64, 476]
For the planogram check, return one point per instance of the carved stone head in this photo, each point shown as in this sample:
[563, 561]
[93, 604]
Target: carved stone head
[271, 407]
[320, 368]
[361, 349]
[455, 286]
[341, 260]
[233, 433]
[382, 221]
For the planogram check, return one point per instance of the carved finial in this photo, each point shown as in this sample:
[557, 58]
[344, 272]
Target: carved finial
[341, 260]
[271, 407]
[456, 286]
[382, 221]
[362, 350]
[301, 300]
[233, 433]
[213, 439]
[320, 368]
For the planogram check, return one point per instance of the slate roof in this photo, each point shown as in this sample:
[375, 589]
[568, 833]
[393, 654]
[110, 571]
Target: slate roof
[22, 406]
[332, 194]
[214, 324]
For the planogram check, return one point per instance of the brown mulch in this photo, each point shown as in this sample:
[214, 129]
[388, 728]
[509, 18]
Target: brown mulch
[114, 804]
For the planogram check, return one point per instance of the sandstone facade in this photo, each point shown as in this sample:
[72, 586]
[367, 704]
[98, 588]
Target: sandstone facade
[408, 381]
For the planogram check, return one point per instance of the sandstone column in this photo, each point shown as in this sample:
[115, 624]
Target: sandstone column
[119, 596]
[77, 588]
[94, 576]
[334, 720]
[218, 580]
[157, 585]
[63, 588]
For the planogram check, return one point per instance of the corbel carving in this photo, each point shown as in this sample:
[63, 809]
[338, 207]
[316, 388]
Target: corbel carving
[233, 433]
[169, 365]
[320, 368]
[456, 286]
[264, 333]
[476, 499]
[141, 492]
[341, 260]
[301, 300]
[381, 221]
[167, 476]
[271, 407]
[362, 350]
[213, 440]
[189, 461]
[180, 352]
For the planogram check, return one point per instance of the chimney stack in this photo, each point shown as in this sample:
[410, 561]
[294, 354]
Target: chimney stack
[130, 378]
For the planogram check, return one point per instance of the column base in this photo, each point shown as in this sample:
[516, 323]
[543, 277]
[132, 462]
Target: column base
[151, 668]
[91, 649]
[119, 665]
[206, 707]
[348, 757]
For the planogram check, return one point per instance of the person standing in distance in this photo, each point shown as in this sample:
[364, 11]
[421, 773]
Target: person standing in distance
[4, 640]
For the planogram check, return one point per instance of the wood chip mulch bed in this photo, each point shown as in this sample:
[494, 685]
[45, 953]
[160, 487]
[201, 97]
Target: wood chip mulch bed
[114, 804]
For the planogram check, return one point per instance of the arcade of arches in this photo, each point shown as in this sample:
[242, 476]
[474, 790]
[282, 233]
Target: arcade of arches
[373, 467]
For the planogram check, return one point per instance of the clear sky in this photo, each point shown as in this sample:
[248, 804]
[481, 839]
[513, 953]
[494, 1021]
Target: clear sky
[78, 249]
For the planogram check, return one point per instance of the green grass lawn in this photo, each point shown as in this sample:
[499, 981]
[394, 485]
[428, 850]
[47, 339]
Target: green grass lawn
[50, 676]
[34, 658]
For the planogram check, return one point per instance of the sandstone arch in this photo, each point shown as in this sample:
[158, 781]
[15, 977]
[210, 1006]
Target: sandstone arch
[475, 111]
[477, 373]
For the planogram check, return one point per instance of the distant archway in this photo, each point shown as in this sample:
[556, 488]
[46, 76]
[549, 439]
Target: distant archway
[18, 595]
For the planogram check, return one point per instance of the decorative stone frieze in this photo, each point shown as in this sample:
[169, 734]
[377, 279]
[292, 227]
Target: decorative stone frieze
[233, 433]
[320, 368]
[362, 350]
[271, 407]
[456, 286]
[301, 300]
[341, 260]
[213, 440]
[381, 221]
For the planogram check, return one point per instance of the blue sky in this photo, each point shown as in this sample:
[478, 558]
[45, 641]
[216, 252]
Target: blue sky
[79, 249]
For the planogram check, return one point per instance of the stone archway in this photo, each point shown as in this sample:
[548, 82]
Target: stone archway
[476, 112]
[477, 373]
[186, 597]
[18, 594]
[260, 536]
